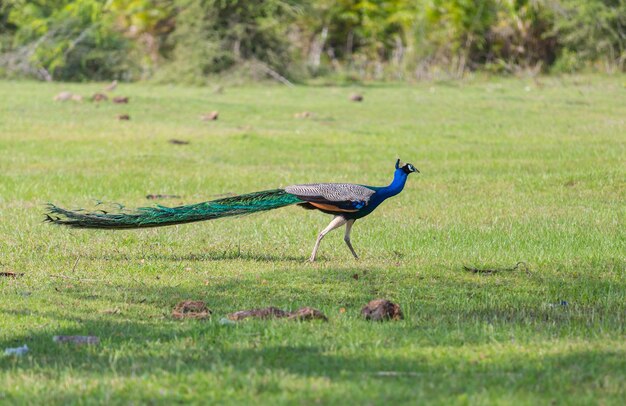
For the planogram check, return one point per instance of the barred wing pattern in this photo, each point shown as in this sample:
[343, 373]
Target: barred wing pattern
[333, 196]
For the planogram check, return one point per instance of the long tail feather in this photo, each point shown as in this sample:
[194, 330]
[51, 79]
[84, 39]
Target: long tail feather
[164, 216]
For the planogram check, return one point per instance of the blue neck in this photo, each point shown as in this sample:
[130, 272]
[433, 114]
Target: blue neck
[395, 187]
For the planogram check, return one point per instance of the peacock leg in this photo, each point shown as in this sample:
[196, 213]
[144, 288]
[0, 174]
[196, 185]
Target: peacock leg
[346, 237]
[338, 221]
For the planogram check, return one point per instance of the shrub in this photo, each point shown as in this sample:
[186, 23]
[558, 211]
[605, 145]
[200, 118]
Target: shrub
[590, 31]
[66, 40]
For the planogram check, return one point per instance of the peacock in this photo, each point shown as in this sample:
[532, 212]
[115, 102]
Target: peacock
[345, 201]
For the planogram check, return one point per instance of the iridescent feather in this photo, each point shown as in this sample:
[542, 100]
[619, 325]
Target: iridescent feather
[162, 216]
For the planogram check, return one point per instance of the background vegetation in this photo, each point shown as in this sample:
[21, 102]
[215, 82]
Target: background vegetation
[192, 40]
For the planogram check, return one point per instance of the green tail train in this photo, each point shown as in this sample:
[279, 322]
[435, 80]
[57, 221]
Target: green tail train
[164, 216]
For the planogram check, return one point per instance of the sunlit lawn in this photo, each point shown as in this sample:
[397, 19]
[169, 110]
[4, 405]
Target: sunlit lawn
[512, 170]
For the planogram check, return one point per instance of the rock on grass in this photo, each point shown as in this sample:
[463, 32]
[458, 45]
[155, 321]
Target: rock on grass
[304, 314]
[78, 340]
[191, 309]
[120, 100]
[160, 196]
[212, 116]
[266, 313]
[178, 142]
[304, 114]
[356, 97]
[381, 309]
[98, 97]
[65, 96]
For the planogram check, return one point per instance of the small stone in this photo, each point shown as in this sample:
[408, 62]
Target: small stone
[212, 116]
[111, 86]
[17, 351]
[178, 142]
[266, 313]
[11, 275]
[226, 322]
[120, 100]
[356, 97]
[98, 97]
[191, 309]
[304, 114]
[306, 314]
[79, 340]
[159, 196]
[381, 309]
[63, 96]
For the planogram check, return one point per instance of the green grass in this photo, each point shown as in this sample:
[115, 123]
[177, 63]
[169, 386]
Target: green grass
[512, 170]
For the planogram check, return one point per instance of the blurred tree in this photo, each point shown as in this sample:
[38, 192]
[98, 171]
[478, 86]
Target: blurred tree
[67, 40]
[212, 36]
[456, 31]
[521, 38]
[146, 21]
[7, 29]
[190, 40]
[591, 30]
[360, 34]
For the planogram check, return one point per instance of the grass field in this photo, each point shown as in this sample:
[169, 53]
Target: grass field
[512, 170]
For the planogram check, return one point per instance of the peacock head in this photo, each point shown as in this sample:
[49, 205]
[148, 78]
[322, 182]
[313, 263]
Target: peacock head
[407, 168]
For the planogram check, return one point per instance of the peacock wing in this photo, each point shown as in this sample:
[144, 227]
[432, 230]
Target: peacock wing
[328, 196]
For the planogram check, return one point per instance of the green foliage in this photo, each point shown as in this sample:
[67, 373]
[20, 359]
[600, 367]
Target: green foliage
[212, 36]
[196, 45]
[147, 23]
[361, 34]
[591, 31]
[70, 40]
[7, 29]
[519, 38]
[192, 40]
